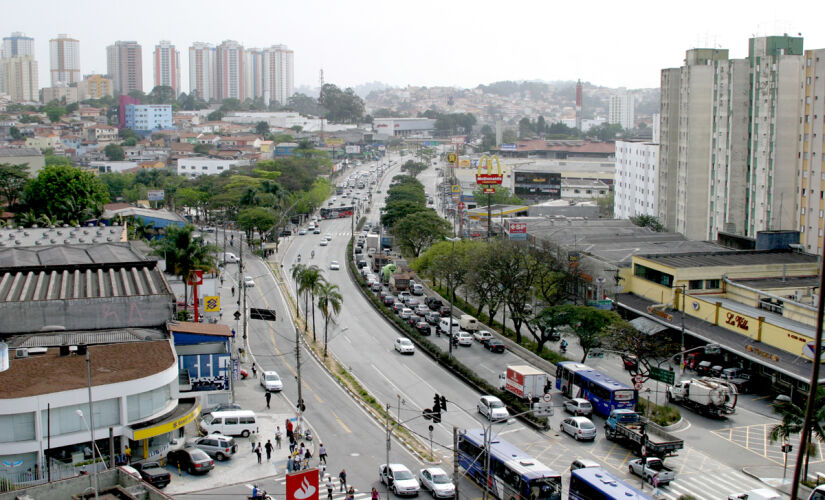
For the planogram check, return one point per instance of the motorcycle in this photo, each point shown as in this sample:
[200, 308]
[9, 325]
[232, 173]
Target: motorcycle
[263, 496]
[563, 346]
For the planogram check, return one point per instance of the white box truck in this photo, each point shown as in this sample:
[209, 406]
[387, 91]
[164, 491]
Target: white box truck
[523, 381]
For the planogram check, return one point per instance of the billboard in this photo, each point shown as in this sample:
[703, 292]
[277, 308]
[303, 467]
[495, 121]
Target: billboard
[353, 150]
[155, 195]
[493, 175]
[333, 141]
[518, 230]
[508, 147]
[302, 485]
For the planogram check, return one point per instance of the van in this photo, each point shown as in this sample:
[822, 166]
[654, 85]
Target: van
[468, 323]
[818, 493]
[444, 324]
[231, 423]
[230, 258]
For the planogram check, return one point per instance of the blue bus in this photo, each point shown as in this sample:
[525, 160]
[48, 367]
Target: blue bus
[514, 475]
[595, 483]
[576, 380]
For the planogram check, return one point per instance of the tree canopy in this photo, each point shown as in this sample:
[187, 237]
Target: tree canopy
[66, 193]
[341, 106]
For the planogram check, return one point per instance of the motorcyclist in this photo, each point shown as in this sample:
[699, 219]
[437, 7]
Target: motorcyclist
[299, 257]
[563, 345]
[312, 255]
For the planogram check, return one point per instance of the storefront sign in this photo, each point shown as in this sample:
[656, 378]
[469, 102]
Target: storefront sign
[491, 177]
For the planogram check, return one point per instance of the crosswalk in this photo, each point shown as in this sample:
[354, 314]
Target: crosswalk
[337, 494]
[705, 486]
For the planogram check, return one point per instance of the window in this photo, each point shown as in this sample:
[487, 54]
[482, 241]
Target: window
[696, 284]
[147, 403]
[653, 275]
[65, 420]
[17, 427]
[712, 284]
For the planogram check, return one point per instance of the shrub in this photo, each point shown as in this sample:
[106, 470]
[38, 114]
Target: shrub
[662, 415]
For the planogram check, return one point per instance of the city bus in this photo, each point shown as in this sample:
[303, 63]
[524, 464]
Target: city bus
[595, 483]
[337, 212]
[576, 380]
[514, 475]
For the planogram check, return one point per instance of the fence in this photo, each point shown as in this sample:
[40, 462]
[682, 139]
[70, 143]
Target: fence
[13, 479]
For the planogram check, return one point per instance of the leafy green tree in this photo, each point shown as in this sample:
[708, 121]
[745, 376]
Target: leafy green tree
[488, 138]
[311, 279]
[258, 218]
[605, 132]
[162, 94]
[114, 152]
[15, 133]
[626, 339]
[215, 116]
[508, 136]
[54, 111]
[13, 179]
[502, 196]
[650, 221]
[297, 273]
[417, 231]
[184, 253]
[395, 211]
[548, 323]
[413, 167]
[454, 123]
[305, 105]
[793, 416]
[66, 193]
[231, 104]
[117, 183]
[203, 149]
[329, 302]
[262, 128]
[605, 204]
[342, 106]
[590, 325]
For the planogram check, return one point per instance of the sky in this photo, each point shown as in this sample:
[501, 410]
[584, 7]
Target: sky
[425, 43]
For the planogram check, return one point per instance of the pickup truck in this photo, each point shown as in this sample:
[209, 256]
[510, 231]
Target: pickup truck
[647, 468]
[154, 474]
[638, 432]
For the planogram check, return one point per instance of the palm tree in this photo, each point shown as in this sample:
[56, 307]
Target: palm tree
[310, 279]
[184, 254]
[792, 418]
[329, 301]
[298, 276]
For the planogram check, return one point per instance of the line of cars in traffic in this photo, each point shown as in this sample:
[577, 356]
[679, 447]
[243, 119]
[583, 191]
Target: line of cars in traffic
[403, 482]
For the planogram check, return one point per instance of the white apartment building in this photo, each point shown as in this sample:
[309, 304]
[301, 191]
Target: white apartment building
[166, 66]
[278, 77]
[811, 164]
[635, 190]
[19, 75]
[202, 70]
[622, 110]
[64, 56]
[230, 67]
[197, 166]
[124, 64]
[15, 45]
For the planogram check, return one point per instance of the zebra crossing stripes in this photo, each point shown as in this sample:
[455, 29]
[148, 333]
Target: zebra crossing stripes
[708, 486]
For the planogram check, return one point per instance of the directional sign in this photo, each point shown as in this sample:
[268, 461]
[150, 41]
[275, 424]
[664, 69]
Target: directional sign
[638, 386]
[662, 375]
[264, 314]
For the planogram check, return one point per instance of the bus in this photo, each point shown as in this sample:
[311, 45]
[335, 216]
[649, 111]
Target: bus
[337, 212]
[576, 380]
[514, 475]
[595, 483]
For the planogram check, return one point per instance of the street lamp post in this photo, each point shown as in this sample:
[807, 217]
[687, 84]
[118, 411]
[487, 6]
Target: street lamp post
[682, 345]
[452, 293]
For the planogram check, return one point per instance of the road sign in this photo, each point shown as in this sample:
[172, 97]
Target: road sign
[662, 375]
[638, 386]
[713, 349]
[302, 485]
[452, 158]
[264, 314]
[459, 139]
[547, 397]
[638, 378]
[461, 205]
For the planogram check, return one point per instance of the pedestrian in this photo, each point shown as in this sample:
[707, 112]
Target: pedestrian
[128, 453]
[330, 487]
[268, 396]
[268, 447]
[322, 454]
[289, 464]
[233, 290]
[307, 455]
[253, 438]
[351, 493]
[255, 371]
[289, 429]
[301, 451]
[258, 452]
[342, 479]
[655, 484]
[375, 495]
[278, 435]
[292, 444]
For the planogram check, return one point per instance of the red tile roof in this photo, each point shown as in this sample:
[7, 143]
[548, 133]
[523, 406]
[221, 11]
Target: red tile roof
[200, 328]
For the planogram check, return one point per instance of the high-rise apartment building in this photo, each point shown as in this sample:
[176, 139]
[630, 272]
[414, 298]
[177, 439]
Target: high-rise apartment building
[124, 61]
[19, 75]
[95, 87]
[278, 78]
[636, 178]
[230, 71]
[64, 56]
[166, 66]
[811, 173]
[202, 71]
[15, 45]
[254, 77]
[622, 110]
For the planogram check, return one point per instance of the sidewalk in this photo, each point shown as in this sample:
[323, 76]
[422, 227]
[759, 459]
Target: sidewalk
[772, 476]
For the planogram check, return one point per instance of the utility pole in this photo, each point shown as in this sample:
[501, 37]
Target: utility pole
[456, 476]
[242, 287]
[387, 418]
[92, 421]
[298, 363]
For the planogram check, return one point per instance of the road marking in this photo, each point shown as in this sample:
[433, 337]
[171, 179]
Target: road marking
[341, 422]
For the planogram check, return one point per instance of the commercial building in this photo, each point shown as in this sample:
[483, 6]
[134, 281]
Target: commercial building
[202, 71]
[166, 66]
[95, 87]
[19, 75]
[197, 166]
[124, 63]
[635, 190]
[33, 158]
[62, 94]
[64, 56]
[230, 69]
[622, 110]
[148, 117]
[404, 127]
[537, 184]
[810, 190]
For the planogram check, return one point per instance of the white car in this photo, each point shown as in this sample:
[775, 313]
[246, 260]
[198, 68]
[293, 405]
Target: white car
[405, 313]
[492, 408]
[324, 243]
[248, 281]
[328, 236]
[437, 481]
[334, 265]
[399, 478]
[583, 463]
[482, 336]
[464, 338]
[578, 427]
[302, 232]
[271, 381]
[404, 345]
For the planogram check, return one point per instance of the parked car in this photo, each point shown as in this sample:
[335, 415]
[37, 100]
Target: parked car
[437, 481]
[423, 328]
[581, 428]
[191, 459]
[223, 407]
[482, 336]
[218, 446]
[495, 345]
[583, 463]
[270, 381]
[248, 281]
[492, 408]
[153, 473]
[579, 406]
[399, 478]
[404, 345]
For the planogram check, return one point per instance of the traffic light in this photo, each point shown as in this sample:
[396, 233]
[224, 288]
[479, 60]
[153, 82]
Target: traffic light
[436, 418]
[443, 403]
[436, 402]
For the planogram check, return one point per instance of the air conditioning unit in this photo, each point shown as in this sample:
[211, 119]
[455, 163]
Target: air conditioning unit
[21, 353]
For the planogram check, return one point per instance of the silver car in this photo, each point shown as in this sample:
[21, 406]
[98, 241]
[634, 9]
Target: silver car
[581, 428]
[579, 406]
[218, 446]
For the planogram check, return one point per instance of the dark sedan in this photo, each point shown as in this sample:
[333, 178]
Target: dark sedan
[444, 311]
[192, 460]
[495, 345]
[389, 300]
[423, 328]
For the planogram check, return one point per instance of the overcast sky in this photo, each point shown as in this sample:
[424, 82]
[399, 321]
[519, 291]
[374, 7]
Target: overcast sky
[431, 43]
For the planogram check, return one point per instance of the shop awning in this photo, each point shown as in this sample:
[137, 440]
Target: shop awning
[647, 326]
[187, 410]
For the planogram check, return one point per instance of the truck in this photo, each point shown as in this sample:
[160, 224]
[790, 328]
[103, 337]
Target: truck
[713, 397]
[647, 468]
[524, 381]
[372, 241]
[379, 260]
[153, 473]
[400, 281]
[640, 435]
[738, 377]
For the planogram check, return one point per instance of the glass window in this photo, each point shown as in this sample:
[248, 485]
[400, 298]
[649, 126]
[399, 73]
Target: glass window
[17, 427]
[66, 419]
[696, 284]
[147, 403]
[709, 284]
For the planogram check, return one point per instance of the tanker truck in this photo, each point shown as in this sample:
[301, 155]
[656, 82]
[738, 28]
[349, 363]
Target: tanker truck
[710, 396]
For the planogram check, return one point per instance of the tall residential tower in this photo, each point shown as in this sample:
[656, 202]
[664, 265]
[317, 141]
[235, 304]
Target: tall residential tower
[124, 62]
[202, 71]
[64, 56]
[230, 71]
[166, 66]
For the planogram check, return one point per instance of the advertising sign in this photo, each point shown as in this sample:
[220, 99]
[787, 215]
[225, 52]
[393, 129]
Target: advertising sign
[509, 147]
[459, 139]
[518, 231]
[302, 485]
[353, 150]
[452, 158]
[333, 141]
[196, 277]
[808, 351]
[489, 190]
[491, 177]
[212, 303]
[155, 195]
[4, 356]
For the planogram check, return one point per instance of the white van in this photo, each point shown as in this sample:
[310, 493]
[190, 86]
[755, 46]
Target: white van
[444, 324]
[230, 258]
[468, 323]
[230, 423]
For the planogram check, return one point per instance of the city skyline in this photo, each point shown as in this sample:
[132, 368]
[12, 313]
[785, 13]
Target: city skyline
[434, 44]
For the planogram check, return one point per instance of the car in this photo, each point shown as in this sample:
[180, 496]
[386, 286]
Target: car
[302, 232]
[224, 407]
[359, 250]
[399, 478]
[495, 345]
[328, 236]
[383, 293]
[403, 296]
[433, 303]
[335, 266]
[437, 481]
[630, 362]
[444, 311]
[375, 286]
[583, 463]
[412, 303]
[316, 231]
[248, 281]
[361, 264]
[270, 381]
[423, 328]
[192, 460]
[217, 445]
[464, 338]
[492, 408]
[404, 345]
[398, 307]
[405, 313]
[413, 319]
[153, 473]
[421, 309]
[482, 336]
[581, 428]
[324, 243]
[389, 300]
[432, 317]
[578, 406]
